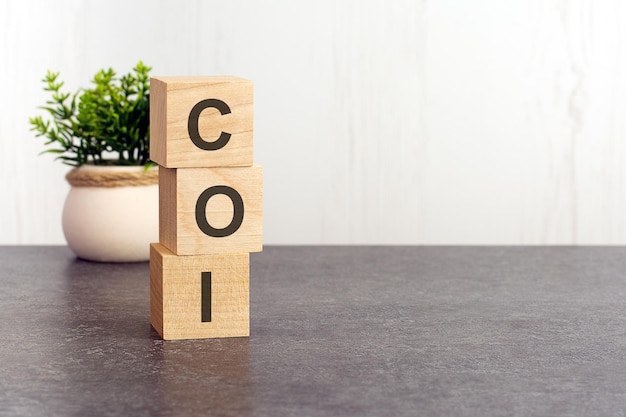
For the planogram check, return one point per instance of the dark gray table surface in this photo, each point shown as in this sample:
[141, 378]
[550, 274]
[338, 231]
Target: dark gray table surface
[335, 331]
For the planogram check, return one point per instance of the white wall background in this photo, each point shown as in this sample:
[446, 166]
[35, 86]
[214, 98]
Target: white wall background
[377, 122]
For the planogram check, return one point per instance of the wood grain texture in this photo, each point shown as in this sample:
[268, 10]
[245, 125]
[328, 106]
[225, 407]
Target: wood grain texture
[171, 102]
[175, 294]
[179, 189]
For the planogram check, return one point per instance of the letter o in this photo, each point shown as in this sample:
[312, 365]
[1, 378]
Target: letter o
[194, 131]
[238, 210]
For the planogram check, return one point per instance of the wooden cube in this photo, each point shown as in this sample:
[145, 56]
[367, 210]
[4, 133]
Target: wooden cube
[201, 121]
[211, 210]
[201, 296]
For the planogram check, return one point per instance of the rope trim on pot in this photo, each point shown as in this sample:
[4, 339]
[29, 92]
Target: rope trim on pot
[80, 178]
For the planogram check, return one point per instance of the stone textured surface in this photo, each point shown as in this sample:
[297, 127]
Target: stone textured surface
[337, 331]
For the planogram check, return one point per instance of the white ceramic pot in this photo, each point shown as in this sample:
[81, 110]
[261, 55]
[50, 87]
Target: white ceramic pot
[111, 223]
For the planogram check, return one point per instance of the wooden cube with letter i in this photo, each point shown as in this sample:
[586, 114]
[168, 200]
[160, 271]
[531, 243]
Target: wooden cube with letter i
[210, 206]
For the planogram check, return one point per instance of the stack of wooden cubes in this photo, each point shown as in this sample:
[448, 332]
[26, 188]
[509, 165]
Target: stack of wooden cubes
[210, 206]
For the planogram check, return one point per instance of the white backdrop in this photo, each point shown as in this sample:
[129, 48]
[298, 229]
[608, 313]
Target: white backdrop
[377, 121]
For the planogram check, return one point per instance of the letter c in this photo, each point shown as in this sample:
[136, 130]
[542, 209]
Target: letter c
[192, 125]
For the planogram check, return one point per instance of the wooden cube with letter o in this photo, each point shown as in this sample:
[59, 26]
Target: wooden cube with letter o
[211, 210]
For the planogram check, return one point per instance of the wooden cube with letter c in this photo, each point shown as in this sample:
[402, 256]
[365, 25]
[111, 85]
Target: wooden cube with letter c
[193, 297]
[201, 121]
[211, 210]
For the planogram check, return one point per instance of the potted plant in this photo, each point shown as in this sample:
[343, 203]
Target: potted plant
[111, 211]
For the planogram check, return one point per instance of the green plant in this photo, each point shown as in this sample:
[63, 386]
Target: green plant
[107, 124]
